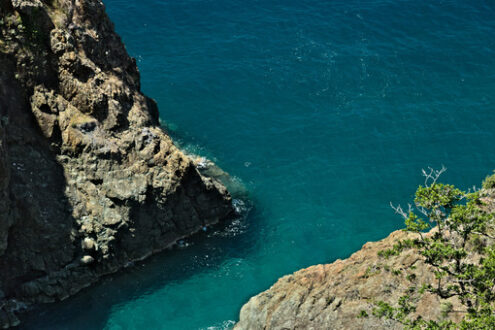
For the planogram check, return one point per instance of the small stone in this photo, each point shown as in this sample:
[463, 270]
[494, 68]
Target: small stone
[89, 244]
[86, 260]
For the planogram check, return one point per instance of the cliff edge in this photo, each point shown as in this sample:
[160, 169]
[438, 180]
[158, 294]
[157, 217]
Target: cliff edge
[440, 279]
[342, 295]
[88, 180]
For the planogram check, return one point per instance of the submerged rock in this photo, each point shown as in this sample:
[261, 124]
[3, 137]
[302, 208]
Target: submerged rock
[89, 181]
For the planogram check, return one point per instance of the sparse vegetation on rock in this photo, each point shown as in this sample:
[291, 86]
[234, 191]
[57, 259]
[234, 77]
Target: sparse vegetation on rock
[438, 273]
[459, 247]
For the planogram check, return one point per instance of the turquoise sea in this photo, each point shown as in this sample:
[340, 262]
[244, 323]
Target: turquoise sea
[324, 110]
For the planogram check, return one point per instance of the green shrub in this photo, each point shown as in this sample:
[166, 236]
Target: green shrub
[363, 314]
[462, 223]
[489, 182]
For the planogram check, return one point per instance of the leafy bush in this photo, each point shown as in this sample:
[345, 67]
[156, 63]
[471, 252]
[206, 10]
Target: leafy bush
[462, 265]
[489, 182]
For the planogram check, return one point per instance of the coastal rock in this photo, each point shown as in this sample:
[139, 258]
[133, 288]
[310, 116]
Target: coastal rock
[342, 295]
[87, 260]
[89, 244]
[6, 219]
[89, 181]
[27, 6]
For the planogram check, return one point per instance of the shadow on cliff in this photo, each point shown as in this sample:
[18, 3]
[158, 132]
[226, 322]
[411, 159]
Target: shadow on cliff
[203, 253]
[38, 213]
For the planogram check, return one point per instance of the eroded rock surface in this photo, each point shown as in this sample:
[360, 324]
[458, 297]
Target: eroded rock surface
[88, 179]
[336, 296]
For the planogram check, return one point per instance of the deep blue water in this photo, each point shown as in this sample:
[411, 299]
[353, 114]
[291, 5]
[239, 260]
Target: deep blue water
[325, 111]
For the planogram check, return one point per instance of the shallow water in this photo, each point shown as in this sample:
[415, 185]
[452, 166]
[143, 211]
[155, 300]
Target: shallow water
[325, 111]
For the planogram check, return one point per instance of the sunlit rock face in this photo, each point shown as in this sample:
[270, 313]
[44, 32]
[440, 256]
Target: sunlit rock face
[88, 179]
[343, 294]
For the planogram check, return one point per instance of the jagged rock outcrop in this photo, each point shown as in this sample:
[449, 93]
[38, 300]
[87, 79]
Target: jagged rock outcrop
[342, 295]
[88, 179]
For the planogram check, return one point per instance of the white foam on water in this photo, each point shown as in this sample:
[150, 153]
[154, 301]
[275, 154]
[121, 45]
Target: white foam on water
[225, 325]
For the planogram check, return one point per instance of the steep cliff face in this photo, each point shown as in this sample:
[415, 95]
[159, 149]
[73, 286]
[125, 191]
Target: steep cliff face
[88, 180]
[342, 295]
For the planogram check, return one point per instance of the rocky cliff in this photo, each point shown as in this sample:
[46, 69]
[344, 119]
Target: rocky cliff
[342, 295]
[88, 180]
[390, 282]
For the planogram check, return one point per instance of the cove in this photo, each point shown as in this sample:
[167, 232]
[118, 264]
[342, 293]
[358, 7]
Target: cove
[325, 111]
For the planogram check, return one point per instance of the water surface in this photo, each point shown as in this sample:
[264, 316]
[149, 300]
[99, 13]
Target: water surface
[325, 110]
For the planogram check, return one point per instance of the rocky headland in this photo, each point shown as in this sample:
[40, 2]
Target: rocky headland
[89, 182]
[333, 296]
[346, 293]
